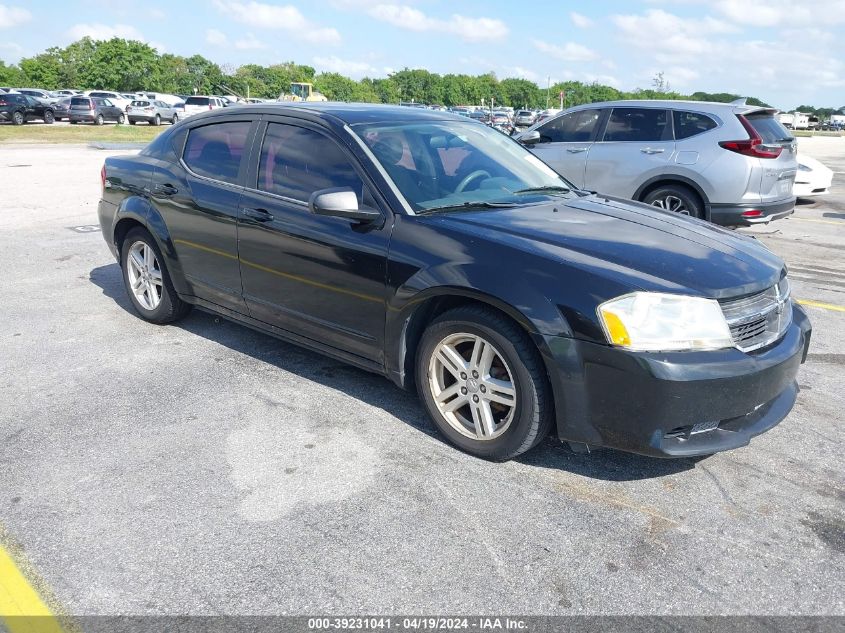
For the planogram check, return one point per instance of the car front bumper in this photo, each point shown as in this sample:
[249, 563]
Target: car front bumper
[674, 404]
[732, 214]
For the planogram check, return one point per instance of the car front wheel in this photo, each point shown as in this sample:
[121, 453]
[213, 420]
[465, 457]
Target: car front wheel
[99, 120]
[147, 281]
[677, 199]
[483, 383]
[48, 117]
[121, 120]
[18, 118]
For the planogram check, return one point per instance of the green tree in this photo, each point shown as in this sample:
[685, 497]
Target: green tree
[119, 64]
[10, 75]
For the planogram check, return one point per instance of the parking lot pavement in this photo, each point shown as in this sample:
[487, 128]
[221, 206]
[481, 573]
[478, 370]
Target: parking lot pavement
[202, 468]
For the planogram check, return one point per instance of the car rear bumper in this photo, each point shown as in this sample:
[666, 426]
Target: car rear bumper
[82, 117]
[674, 404]
[732, 214]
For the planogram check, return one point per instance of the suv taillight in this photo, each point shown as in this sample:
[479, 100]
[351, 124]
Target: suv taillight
[753, 146]
[103, 177]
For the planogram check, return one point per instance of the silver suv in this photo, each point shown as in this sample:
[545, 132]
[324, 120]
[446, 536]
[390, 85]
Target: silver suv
[729, 163]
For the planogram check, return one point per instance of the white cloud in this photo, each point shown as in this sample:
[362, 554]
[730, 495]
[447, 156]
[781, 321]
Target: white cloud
[522, 73]
[580, 20]
[13, 16]
[281, 17]
[469, 29]
[249, 43]
[15, 50]
[105, 32]
[569, 52]
[766, 13]
[216, 38]
[348, 67]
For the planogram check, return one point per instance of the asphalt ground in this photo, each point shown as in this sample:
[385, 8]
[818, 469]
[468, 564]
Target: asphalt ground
[203, 468]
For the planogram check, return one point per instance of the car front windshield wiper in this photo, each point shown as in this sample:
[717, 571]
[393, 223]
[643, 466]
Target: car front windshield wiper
[545, 189]
[467, 206]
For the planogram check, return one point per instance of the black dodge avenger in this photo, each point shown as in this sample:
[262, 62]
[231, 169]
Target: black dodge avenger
[442, 254]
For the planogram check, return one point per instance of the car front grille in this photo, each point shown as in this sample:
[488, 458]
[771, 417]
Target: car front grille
[760, 319]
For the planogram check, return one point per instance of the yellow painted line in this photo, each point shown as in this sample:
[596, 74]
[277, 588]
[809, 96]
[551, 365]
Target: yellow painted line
[836, 222]
[21, 608]
[824, 306]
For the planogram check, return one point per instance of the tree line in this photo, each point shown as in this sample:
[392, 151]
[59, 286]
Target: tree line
[128, 65]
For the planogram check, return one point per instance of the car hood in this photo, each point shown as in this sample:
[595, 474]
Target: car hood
[637, 244]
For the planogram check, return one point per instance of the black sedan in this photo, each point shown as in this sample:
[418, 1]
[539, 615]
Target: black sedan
[19, 109]
[441, 254]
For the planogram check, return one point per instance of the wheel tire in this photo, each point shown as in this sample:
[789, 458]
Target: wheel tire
[677, 198]
[18, 118]
[170, 307]
[175, 119]
[99, 120]
[49, 119]
[73, 122]
[532, 413]
[132, 122]
[121, 120]
[157, 120]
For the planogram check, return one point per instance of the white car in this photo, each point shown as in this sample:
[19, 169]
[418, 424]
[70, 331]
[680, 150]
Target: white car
[116, 98]
[813, 178]
[196, 104]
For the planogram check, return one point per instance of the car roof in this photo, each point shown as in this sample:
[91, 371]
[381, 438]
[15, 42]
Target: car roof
[700, 106]
[349, 113]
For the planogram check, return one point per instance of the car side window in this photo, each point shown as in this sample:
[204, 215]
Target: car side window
[638, 125]
[215, 150]
[575, 127]
[106, 102]
[295, 162]
[689, 124]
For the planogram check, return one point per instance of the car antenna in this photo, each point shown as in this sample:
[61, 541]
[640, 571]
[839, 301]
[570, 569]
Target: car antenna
[740, 101]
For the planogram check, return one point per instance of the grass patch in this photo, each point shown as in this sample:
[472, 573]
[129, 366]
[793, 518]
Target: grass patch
[809, 133]
[82, 133]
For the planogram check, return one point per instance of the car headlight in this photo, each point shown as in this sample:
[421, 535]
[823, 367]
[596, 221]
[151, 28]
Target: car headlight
[651, 321]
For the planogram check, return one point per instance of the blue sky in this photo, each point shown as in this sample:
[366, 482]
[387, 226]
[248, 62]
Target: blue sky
[784, 52]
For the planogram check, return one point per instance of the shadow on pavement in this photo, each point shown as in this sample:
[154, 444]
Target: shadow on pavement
[607, 465]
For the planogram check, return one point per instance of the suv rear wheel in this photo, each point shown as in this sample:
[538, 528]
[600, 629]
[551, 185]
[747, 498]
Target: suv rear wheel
[676, 198]
[483, 383]
[18, 118]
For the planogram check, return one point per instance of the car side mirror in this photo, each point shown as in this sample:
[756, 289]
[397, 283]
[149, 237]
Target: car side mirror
[530, 138]
[340, 203]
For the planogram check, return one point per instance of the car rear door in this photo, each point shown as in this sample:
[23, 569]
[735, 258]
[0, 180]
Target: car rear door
[317, 276]
[198, 196]
[636, 144]
[565, 142]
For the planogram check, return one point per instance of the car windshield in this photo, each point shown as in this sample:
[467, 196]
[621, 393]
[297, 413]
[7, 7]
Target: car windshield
[442, 165]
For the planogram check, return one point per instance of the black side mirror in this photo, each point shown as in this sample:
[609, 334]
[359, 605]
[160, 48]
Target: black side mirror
[340, 203]
[529, 138]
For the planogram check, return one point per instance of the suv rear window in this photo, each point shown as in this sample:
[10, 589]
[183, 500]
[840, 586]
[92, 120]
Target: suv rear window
[689, 124]
[140, 103]
[203, 101]
[638, 125]
[769, 129]
[106, 95]
[83, 101]
[215, 150]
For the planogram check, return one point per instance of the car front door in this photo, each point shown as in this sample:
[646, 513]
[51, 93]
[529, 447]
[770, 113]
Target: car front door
[317, 276]
[197, 194]
[565, 142]
[110, 111]
[637, 144]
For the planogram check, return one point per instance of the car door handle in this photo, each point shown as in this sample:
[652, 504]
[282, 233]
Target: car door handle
[652, 150]
[166, 190]
[259, 215]
[576, 150]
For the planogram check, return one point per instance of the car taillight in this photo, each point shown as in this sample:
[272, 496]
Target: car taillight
[752, 213]
[209, 107]
[3, 102]
[753, 146]
[103, 176]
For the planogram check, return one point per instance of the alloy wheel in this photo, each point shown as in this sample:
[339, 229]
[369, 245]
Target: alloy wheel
[472, 386]
[671, 203]
[145, 278]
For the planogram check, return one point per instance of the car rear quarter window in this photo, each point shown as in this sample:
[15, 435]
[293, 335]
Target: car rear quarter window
[215, 150]
[689, 124]
[575, 127]
[295, 162]
[769, 129]
[638, 125]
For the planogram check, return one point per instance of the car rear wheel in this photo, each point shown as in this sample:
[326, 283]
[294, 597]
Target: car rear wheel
[18, 118]
[74, 122]
[147, 281]
[48, 117]
[132, 121]
[121, 120]
[99, 120]
[157, 120]
[483, 384]
[175, 119]
[677, 199]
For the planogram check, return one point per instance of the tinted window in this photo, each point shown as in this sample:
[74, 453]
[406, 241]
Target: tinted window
[215, 150]
[691, 123]
[140, 103]
[80, 101]
[638, 124]
[575, 127]
[296, 162]
[99, 94]
[768, 128]
[197, 101]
